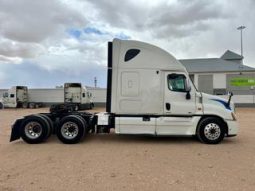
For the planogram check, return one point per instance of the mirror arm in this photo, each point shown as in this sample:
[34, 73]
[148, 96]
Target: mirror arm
[229, 99]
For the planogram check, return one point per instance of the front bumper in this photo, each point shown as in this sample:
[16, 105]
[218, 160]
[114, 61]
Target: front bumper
[232, 128]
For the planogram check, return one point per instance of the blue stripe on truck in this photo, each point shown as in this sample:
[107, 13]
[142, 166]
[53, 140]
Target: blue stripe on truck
[226, 105]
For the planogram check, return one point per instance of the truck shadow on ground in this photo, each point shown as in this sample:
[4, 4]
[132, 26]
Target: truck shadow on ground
[114, 138]
[137, 139]
[133, 139]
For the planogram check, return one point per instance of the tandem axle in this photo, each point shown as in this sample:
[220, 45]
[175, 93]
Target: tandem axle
[69, 126]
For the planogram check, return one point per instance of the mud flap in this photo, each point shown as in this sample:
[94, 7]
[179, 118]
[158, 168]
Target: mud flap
[15, 134]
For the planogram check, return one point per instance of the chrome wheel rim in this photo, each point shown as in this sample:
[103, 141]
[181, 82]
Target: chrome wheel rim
[33, 130]
[69, 130]
[212, 131]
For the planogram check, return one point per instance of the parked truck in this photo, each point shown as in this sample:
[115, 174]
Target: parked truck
[148, 92]
[17, 97]
[78, 96]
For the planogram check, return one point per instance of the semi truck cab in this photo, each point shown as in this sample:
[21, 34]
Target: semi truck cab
[79, 96]
[16, 96]
[149, 92]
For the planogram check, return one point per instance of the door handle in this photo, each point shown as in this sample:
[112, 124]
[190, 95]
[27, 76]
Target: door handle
[168, 106]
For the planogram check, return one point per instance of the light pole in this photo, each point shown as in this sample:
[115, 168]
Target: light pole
[95, 82]
[241, 29]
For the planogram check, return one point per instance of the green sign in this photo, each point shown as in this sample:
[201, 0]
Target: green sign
[242, 82]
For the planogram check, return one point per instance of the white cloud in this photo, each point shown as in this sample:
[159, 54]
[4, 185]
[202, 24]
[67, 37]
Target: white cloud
[6, 60]
[11, 48]
[35, 21]
[70, 37]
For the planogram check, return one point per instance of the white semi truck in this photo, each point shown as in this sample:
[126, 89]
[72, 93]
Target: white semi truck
[148, 92]
[77, 95]
[17, 97]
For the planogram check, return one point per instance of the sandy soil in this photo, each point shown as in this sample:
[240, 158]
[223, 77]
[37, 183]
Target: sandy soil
[112, 162]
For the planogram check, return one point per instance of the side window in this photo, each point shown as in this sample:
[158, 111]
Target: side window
[83, 95]
[176, 82]
[5, 94]
[130, 54]
[12, 96]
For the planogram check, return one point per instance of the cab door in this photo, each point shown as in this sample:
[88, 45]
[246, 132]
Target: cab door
[9, 100]
[179, 105]
[179, 95]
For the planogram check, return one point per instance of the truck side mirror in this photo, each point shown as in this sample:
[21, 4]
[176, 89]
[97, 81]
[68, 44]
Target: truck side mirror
[187, 89]
[188, 96]
[187, 86]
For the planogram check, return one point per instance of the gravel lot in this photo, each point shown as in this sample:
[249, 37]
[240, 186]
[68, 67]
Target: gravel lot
[112, 162]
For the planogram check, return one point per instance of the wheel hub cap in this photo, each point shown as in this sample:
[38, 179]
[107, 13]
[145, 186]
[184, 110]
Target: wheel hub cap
[212, 131]
[69, 130]
[33, 130]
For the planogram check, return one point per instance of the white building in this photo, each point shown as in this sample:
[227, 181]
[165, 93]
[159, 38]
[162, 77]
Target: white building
[220, 75]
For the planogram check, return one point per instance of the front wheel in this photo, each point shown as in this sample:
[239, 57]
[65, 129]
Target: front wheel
[211, 130]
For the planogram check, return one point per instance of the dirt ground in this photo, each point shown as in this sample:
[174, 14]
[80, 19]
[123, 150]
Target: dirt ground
[113, 162]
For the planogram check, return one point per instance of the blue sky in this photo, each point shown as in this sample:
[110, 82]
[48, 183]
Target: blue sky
[68, 41]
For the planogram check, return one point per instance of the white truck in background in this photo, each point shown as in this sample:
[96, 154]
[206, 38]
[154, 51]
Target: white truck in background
[79, 96]
[17, 97]
[149, 92]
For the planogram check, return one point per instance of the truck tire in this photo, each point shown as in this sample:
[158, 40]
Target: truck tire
[51, 125]
[1, 105]
[211, 130]
[34, 129]
[25, 105]
[31, 105]
[71, 129]
[85, 123]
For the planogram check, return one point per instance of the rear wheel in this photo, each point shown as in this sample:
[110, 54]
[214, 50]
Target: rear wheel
[51, 125]
[31, 105]
[34, 129]
[211, 130]
[1, 105]
[24, 105]
[71, 129]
